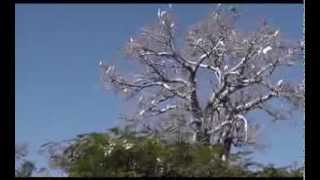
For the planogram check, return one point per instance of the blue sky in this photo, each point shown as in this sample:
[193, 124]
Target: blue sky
[58, 90]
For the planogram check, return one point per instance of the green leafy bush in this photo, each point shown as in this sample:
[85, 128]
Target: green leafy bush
[126, 154]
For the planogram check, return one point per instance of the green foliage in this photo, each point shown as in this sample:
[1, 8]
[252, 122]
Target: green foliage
[271, 171]
[120, 153]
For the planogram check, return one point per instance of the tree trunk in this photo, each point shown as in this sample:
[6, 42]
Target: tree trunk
[203, 137]
[226, 148]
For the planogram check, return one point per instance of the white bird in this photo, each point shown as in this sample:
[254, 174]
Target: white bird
[172, 25]
[153, 101]
[224, 157]
[265, 50]
[199, 40]
[301, 43]
[141, 112]
[159, 12]
[276, 33]
[279, 82]
[221, 42]
[108, 69]
[225, 67]
[163, 13]
[259, 51]
[128, 146]
[131, 39]
[215, 15]
[100, 63]
[125, 90]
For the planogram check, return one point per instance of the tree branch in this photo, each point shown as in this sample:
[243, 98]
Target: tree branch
[253, 103]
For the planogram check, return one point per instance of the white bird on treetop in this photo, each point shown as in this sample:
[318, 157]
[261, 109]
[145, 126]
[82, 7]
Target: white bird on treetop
[279, 82]
[221, 43]
[265, 50]
[225, 67]
[108, 70]
[141, 112]
[163, 13]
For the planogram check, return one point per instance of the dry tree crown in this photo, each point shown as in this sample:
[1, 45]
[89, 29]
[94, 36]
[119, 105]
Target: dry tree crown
[241, 67]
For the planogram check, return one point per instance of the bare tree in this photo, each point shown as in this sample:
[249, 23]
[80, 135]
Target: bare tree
[240, 66]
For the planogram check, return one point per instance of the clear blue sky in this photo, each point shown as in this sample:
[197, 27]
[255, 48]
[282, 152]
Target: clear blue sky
[58, 91]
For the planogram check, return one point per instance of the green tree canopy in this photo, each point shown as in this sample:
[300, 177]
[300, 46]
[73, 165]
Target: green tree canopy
[122, 153]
